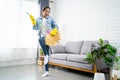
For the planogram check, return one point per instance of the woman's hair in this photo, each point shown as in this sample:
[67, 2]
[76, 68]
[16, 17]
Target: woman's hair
[46, 7]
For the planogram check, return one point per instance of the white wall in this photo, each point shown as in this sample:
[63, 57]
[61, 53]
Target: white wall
[88, 20]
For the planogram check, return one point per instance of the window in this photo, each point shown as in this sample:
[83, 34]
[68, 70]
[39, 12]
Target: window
[15, 26]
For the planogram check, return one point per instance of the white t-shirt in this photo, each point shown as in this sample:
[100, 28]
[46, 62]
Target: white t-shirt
[44, 21]
[43, 27]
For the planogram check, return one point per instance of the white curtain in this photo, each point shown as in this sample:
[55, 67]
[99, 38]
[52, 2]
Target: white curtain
[15, 26]
[18, 41]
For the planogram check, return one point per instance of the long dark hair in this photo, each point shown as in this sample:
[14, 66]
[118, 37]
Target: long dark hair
[46, 7]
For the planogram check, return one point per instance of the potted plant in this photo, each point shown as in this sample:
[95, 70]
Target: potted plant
[102, 52]
[41, 52]
[40, 61]
[117, 63]
[116, 70]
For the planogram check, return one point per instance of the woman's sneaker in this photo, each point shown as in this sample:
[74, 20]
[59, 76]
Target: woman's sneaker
[45, 74]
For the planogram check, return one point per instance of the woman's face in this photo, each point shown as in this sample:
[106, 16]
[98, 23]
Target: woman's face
[46, 12]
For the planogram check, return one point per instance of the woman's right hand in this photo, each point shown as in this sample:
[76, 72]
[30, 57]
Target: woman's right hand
[53, 32]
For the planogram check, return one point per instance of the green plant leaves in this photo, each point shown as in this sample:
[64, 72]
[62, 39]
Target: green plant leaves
[105, 51]
[111, 50]
[41, 51]
[108, 61]
[90, 58]
[100, 41]
[117, 59]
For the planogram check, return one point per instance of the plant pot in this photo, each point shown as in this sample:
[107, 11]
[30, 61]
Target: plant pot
[99, 76]
[100, 64]
[40, 63]
[116, 72]
[41, 57]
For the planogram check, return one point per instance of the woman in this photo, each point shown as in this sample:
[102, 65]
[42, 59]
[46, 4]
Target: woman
[44, 25]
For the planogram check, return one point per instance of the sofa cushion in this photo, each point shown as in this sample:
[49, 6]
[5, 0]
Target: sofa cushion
[58, 61]
[77, 58]
[61, 56]
[73, 47]
[58, 49]
[87, 46]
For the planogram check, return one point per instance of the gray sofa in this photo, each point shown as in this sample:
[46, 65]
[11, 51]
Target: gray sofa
[72, 55]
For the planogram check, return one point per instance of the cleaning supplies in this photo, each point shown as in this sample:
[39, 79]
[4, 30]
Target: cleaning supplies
[53, 32]
[32, 19]
[52, 38]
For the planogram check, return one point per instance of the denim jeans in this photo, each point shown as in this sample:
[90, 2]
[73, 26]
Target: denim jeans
[45, 50]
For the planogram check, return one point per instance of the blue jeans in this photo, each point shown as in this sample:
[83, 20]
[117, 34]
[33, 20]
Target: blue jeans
[45, 50]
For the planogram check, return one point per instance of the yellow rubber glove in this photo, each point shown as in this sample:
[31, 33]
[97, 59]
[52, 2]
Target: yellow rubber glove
[53, 32]
[32, 19]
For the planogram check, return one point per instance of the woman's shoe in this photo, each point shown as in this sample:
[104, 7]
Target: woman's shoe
[45, 74]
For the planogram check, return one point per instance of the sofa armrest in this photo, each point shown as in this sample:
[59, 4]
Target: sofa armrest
[57, 49]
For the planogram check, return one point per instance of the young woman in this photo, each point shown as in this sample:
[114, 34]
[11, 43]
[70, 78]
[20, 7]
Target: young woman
[45, 23]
